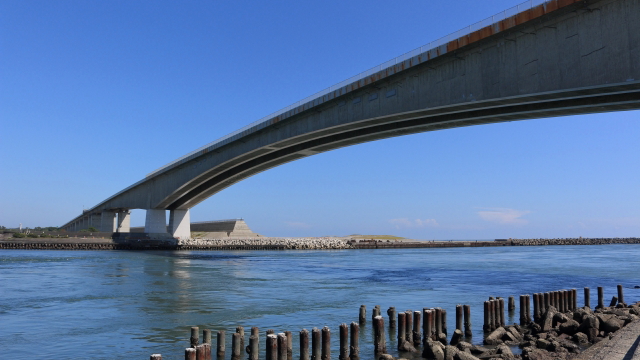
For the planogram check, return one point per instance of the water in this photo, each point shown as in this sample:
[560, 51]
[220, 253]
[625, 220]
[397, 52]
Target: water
[117, 304]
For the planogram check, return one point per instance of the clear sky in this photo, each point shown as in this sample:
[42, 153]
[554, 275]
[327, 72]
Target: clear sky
[96, 94]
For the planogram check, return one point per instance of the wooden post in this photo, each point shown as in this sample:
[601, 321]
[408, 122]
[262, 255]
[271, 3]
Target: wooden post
[438, 322]
[363, 314]
[523, 319]
[194, 336]
[304, 344]
[620, 294]
[512, 304]
[220, 350]
[376, 312]
[408, 332]
[614, 301]
[289, 345]
[486, 327]
[201, 352]
[272, 347]
[255, 331]
[501, 311]
[402, 329]
[379, 340]
[545, 299]
[344, 342]
[190, 354]
[492, 314]
[206, 336]
[587, 297]
[543, 308]
[444, 321]
[528, 298]
[240, 330]
[254, 347]
[565, 301]
[536, 307]
[316, 344]
[326, 343]
[600, 297]
[467, 320]
[155, 357]
[417, 317]
[282, 346]
[391, 312]
[428, 325]
[354, 349]
[459, 317]
[235, 346]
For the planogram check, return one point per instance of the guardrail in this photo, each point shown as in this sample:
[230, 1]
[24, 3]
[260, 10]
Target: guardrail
[261, 123]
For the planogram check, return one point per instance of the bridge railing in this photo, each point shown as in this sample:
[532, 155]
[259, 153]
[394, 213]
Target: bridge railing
[263, 122]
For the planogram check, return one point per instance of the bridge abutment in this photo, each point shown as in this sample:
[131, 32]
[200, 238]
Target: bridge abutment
[156, 224]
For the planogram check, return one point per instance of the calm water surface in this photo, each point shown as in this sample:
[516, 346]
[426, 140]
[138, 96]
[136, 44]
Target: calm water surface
[128, 305]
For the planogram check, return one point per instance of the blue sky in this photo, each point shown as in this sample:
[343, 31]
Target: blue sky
[94, 95]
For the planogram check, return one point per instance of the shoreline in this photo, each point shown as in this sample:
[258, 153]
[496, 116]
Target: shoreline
[285, 244]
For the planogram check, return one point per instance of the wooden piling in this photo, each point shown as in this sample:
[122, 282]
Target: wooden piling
[155, 357]
[528, 307]
[193, 340]
[459, 317]
[438, 319]
[536, 307]
[565, 301]
[614, 301]
[428, 325]
[501, 311]
[486, 327]
[240, 330]
[417, 334]
[316, 344]
[512, 304]
[408, 332]
[206, 336]
[467, 320]
[402, 329]
[236, 347]
[344, 341]
[220, 350]
[376, 312]
[354, 348]
[289, 345]
[207, 351]
[282, 346]
[304, 344]
[326, 344]
[201, 351]
[600, 297]
[379, 339]
[254, 346]
[587, 297]
[491, 315]
[391, 313]
[620, 294]
[189, 354]
[363, 314]
[444, 322]
[523, 319]
[272, 347]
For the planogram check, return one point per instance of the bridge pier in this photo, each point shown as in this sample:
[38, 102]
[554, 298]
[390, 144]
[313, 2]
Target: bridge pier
[108, 221]
[180, 224]
[156, 223]
[124, 221]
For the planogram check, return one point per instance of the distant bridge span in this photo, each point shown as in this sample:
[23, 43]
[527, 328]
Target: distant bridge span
[543, 59]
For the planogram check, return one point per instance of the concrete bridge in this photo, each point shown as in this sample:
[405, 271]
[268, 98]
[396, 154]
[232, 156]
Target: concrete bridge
[538, 59]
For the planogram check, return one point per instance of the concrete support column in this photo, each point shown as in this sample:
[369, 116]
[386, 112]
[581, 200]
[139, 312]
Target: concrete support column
[108, 222]
[180, 224]
[95, 220]
[124, 221]
[156, 222]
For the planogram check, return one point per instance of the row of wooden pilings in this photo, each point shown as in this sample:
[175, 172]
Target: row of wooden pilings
[433, 322]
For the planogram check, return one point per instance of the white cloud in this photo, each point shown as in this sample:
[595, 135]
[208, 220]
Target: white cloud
[417, 223]
[504, 216]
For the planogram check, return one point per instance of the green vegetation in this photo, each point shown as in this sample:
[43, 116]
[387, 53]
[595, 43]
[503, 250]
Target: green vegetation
[89, 229]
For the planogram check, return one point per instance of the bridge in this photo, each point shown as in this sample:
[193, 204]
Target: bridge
[538, 59]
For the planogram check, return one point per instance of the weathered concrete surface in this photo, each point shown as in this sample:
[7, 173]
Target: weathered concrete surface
[583, 58]
[625, 345]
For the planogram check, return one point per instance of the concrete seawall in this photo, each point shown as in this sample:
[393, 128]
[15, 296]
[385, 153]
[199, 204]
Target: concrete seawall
[286, 244]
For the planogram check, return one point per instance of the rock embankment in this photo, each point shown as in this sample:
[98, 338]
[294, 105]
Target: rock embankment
[279, 243]
[574, 241]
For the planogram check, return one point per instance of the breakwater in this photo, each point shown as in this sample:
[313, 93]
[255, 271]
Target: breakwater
[267, 243]
[558, 329]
